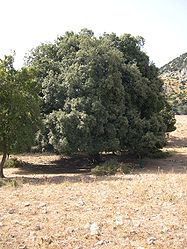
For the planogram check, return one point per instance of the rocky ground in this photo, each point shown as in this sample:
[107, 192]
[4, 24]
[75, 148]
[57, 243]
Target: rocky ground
[47, 206]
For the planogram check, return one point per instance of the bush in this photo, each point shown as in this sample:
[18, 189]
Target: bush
[15, 163]
[2, 182]
[10, 183]
[111, 167]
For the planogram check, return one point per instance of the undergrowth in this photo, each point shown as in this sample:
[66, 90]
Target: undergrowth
[10, 183]
[15, 163]
[111, 167]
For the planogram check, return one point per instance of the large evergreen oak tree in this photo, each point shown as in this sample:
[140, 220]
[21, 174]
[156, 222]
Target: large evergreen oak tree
[100, 94]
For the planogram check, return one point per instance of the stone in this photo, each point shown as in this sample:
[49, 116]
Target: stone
[81, 203]
[47, 239]
[94, 229]
[87, 226]
[151, 240]
[37, 228]
[27, 204]
[70, 230]
[41, 205]
[23, 247]
[119, 221]
[100, 243]
[11, 211]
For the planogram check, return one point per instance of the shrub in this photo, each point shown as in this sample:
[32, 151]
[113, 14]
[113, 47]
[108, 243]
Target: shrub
[15, 163]
[2, 182]
[10, 183]
[111, 167]
[124, 168]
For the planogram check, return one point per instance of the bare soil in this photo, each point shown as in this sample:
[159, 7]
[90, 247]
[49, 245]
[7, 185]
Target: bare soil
[59, 204]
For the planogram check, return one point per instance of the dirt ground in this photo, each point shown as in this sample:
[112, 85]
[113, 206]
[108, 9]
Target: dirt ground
[58, 204]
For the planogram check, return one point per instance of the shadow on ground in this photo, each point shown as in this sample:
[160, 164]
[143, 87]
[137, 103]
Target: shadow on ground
[81, 165]
[67, 165]
[78, 168]
[65, 179]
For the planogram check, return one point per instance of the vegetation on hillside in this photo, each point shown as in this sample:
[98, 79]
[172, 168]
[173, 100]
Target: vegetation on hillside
[174, 75]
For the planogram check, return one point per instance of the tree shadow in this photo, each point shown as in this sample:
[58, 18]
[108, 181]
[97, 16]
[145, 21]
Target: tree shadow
[64, 179]
[54, 174]
[78, 167]
[65, 165]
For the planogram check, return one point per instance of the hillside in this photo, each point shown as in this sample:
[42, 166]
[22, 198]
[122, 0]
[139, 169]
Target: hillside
[174, 75]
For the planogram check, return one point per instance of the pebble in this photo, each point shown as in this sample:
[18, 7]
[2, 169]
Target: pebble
[32, 235]
[44, 210]
[11, 211]
[27, 204]
[47, 239]
[81, 203]
[94, 229]
[136, 223]
[87, 226]
[119, 221]
[42, 205]
[70, 230]
[100, 243]
[37, 228]
[151, 240]
[23, 247]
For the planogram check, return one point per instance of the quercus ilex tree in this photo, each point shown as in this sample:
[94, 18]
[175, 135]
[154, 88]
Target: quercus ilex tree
[19, 109]
[100, 94]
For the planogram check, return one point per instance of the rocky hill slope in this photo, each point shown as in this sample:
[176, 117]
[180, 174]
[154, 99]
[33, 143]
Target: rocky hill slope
[174, 75]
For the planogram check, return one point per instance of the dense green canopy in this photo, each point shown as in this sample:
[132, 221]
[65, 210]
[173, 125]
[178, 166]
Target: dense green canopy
[100, 94]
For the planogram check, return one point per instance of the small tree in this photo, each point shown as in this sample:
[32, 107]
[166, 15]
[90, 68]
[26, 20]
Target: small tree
[19, 109]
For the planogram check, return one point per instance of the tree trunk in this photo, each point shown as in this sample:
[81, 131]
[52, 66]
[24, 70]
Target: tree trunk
[96, 158]
[2, 165]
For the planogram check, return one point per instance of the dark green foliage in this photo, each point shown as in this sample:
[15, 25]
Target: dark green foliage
[100, 94]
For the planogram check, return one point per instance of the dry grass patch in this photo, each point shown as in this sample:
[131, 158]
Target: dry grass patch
[135, 211]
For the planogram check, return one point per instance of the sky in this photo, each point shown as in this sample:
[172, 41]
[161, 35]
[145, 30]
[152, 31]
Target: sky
[26, 24]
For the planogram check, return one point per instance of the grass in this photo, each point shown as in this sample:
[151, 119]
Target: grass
[10, 182]
[130, 211]
[145, 209]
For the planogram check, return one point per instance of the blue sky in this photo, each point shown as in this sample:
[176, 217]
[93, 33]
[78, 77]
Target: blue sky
[27, 23]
